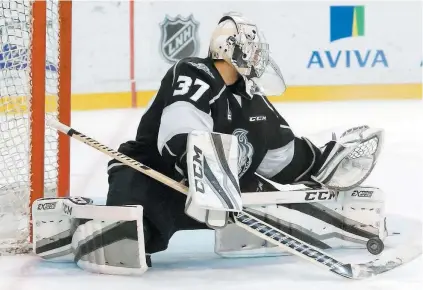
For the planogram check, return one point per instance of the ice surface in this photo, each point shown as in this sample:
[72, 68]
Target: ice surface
[190, 262]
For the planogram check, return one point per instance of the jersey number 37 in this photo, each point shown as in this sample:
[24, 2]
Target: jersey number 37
[184, 85]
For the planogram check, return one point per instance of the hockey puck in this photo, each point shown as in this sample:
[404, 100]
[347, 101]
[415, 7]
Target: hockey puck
[375, 246]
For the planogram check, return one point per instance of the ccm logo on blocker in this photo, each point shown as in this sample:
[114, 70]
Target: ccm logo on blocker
[198, 169]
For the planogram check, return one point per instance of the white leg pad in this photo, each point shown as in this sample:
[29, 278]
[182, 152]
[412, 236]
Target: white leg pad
[361, 210]
[99, 239]
[110, 247]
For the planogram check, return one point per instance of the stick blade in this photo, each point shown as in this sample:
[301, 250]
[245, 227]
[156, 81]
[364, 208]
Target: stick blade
[396, 258]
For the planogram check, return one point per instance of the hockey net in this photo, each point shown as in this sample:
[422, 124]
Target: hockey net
[34, 87]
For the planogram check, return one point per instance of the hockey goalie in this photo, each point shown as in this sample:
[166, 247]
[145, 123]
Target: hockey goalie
[212, 128]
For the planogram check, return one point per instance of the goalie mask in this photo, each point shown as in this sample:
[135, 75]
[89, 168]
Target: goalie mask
[239, 42]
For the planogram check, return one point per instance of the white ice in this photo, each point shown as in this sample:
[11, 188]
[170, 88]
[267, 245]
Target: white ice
[190, 262]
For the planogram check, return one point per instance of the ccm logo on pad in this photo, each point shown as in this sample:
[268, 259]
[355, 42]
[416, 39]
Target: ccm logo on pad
[322, 195]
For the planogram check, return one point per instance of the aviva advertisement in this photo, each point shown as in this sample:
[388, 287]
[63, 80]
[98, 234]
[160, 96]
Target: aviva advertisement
[346, 24]
[361, 52]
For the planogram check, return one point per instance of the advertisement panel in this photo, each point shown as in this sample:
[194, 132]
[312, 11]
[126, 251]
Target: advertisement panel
[327, 50]
[315, 43]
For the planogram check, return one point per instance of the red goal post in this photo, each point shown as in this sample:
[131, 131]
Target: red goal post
[35, 85]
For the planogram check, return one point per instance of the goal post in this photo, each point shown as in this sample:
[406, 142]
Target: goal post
[35, 86]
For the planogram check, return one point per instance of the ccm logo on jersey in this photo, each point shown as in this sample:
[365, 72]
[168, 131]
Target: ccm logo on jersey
[322, 195]
[197, 163]
[257, 118]
[362, 193]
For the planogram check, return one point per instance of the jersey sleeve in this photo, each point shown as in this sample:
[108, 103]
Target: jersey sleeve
[280, 144]
[186, 93]
[288, 158]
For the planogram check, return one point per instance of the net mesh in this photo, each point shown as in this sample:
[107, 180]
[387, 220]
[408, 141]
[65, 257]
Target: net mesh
[16, 22]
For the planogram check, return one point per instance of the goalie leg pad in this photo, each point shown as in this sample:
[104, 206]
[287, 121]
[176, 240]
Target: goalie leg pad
[54, 226]
[100, 239]
[349, 222]
[110, 247]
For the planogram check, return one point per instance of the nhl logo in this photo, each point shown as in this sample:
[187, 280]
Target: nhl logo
[179, 38]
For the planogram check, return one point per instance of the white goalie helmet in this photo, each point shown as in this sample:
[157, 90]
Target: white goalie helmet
[239, 42]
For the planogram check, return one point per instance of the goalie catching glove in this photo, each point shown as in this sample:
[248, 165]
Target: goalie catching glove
[348, 161]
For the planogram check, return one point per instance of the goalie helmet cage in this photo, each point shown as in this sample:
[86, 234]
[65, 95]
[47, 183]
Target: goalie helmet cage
[35, 72]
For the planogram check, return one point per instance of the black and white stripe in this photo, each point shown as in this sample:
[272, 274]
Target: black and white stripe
[172, 124]
[110, 240]
[276, 160]
[294, 230]
[216, 187]
[292, 244]
[223, 193]
[60, 244]
[222, 158]
[331, 217]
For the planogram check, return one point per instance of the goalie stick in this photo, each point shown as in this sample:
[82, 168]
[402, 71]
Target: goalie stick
[296, 194]
[263, 230]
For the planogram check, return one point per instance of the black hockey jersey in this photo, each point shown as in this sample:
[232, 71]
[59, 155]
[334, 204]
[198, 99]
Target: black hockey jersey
[193, 96]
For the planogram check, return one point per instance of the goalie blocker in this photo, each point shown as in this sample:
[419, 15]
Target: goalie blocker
[212, 161]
